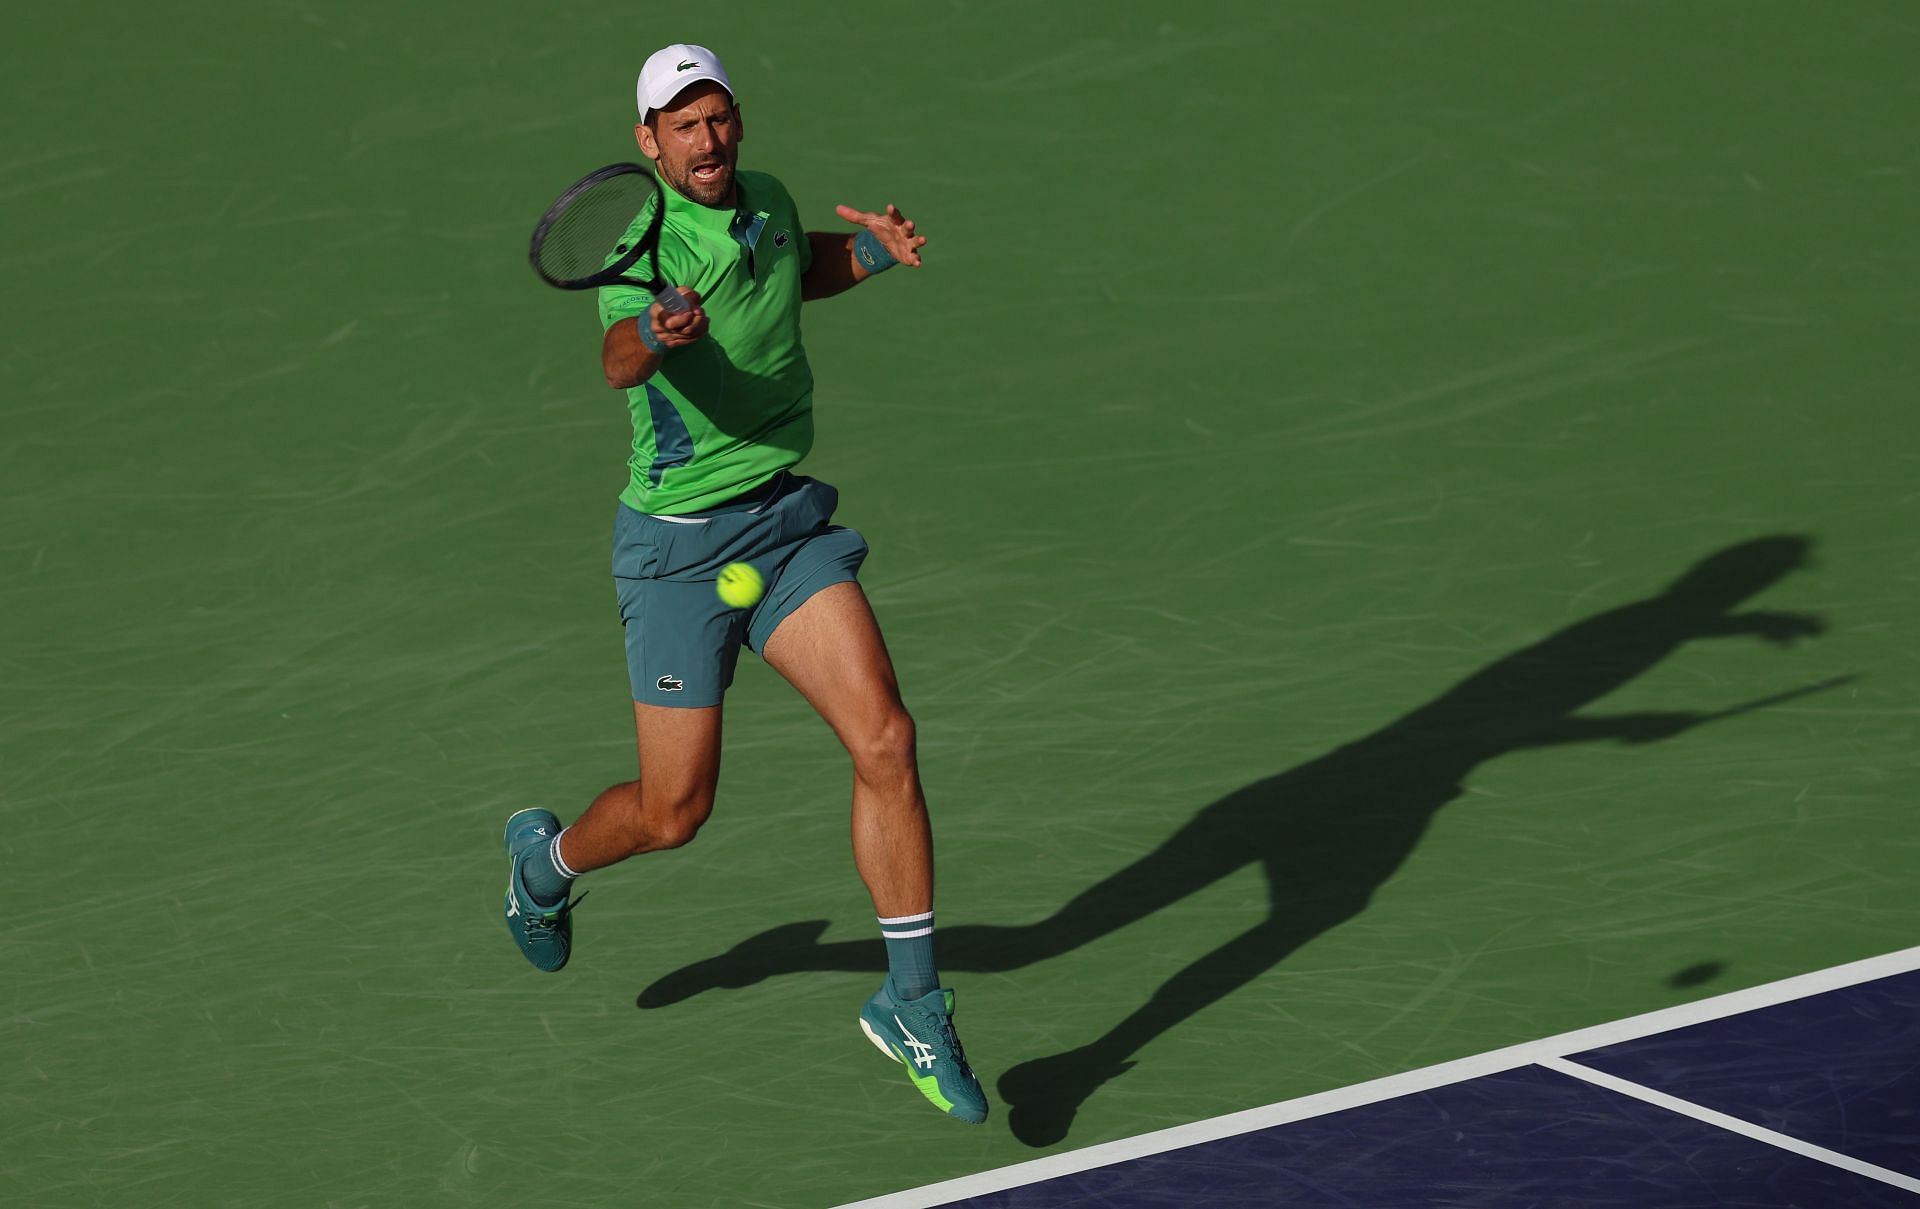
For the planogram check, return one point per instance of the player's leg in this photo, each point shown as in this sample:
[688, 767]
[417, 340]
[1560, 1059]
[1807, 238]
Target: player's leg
[682, 643]
[831, 650]
[665, 805]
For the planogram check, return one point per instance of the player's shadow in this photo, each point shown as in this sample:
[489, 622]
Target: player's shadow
[1327, 833]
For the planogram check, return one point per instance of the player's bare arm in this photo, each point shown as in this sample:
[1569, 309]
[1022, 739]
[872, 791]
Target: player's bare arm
[627, 359]
[837, 265]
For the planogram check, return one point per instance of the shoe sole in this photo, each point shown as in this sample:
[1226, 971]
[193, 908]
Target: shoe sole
[877, 1042]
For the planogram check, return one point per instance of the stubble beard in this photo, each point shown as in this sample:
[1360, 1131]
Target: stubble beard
[715, 193]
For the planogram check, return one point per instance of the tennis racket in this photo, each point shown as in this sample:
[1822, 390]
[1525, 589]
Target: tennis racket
[580, 242]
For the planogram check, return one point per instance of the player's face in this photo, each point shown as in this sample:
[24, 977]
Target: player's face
[695, 144]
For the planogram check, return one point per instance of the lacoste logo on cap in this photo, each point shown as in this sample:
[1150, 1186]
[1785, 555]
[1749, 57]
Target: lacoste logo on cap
[689, 65]
[667, 684]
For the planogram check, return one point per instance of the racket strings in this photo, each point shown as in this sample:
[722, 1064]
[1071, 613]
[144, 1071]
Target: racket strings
[588, 234]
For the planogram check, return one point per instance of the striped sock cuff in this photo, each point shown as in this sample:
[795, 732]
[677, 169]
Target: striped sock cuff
[906, 927]
[553, 851]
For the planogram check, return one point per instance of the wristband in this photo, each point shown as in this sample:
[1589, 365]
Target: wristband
[872, 254]
[646, 334]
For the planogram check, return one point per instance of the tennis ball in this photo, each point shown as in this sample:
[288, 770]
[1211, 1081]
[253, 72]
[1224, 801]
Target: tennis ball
[740, 585]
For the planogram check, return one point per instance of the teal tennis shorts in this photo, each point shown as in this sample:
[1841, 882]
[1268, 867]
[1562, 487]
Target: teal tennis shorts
[683, 641]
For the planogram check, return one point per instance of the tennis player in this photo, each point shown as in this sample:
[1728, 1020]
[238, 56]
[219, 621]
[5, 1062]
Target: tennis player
[722, 403]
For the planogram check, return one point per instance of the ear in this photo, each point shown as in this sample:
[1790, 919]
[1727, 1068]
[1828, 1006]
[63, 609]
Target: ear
[739, 123]
[649, 146]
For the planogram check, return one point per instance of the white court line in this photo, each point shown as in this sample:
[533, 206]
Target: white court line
[1758, 1133]
[1425, 1079]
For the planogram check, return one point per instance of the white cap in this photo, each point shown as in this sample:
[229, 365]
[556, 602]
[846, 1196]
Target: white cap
[670, 70]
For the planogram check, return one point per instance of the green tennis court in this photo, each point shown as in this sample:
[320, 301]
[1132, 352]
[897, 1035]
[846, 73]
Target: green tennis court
[1397, 524]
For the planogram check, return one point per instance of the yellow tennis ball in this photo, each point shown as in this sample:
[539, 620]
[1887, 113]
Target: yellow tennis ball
[740, 585]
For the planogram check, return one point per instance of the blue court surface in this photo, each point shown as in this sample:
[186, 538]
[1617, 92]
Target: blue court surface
[1799, 1093]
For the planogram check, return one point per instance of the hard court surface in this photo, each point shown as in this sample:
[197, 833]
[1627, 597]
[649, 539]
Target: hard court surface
[1398, 529]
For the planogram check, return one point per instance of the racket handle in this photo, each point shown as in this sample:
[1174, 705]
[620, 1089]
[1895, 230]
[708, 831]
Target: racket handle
[671, 301]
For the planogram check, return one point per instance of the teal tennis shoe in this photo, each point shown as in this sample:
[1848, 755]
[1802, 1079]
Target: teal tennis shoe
[918, 1034]
[544, 934]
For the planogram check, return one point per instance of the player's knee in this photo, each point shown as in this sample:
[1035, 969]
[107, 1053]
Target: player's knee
[885, 747]
[672, 823]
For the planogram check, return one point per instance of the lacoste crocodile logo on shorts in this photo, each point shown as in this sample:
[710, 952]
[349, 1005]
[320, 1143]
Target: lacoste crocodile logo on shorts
[667, 684]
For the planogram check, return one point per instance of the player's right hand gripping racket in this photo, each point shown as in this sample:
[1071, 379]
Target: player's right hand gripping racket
[579, 243]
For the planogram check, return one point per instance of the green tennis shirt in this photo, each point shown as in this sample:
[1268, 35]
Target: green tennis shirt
[728, 412]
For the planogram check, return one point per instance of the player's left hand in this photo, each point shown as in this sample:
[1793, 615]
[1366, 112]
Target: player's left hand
[893, 229]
